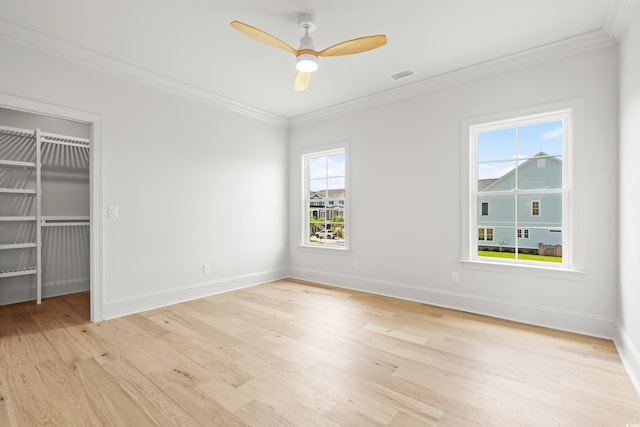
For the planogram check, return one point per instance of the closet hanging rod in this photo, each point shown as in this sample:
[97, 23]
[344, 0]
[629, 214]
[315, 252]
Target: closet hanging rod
[65, 218]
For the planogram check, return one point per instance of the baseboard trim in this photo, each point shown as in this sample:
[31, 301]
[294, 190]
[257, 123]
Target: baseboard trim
[629, 355]
[53, 289]
[149, 301]
[525, 313]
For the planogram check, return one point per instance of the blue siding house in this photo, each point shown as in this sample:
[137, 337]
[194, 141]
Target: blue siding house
[533, 220]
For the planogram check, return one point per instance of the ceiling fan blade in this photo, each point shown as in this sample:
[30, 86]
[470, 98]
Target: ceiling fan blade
[261, 36]
[358, 45]
[302, 81]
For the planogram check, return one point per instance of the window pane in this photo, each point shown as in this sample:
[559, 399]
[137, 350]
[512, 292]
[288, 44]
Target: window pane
[336, 165]
[540, 139]
[502, 212]
[499, 243]
[497, 145]
[335, 183]
[548, 243]
[318, 185]
[548, 209]
[537, 173]
[317, 167]
[496, 176]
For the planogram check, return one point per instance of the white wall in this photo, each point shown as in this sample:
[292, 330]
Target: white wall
[194, 183]
[405, 199]
[629, 206]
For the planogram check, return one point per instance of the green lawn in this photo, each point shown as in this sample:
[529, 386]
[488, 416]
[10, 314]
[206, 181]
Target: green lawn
[520, 256]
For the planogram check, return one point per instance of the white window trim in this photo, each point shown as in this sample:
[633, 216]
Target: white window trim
[573, 255]
[316, 152]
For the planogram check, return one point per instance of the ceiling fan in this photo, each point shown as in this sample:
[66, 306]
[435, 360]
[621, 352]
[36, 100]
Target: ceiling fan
[306, 55]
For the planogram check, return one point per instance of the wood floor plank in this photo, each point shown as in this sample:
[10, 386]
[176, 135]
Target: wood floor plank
[291, 353]
[149, 395]
[110, 401]
[5, 416]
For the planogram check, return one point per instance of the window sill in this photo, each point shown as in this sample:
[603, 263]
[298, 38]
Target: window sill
[523, 269]
[327, 250]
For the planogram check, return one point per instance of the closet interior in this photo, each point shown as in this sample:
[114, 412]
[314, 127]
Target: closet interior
[44, 214]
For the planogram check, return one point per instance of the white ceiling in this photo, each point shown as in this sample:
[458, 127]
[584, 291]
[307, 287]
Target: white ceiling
[189, 44]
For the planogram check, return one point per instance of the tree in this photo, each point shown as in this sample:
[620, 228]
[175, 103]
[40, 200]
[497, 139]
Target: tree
[339, 228]
[315, 224]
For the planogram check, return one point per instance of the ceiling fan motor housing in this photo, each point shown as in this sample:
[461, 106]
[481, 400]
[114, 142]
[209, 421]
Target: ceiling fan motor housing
[306, 60]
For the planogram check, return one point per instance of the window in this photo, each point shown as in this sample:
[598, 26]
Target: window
[325, 207]
[516, 165]
[485, 208]
[535, 208]
[485, 234]
[523, 234]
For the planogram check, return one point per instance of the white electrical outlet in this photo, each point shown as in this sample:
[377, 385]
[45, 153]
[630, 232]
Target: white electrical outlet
[206, 268]
[114, 211]
[356, 265]
[455, 278]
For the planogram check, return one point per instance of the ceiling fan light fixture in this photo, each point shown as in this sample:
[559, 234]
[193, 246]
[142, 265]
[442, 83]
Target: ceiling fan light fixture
[307, 62]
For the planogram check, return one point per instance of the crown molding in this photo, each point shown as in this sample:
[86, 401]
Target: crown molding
[572, 46]
[51, 45]
[618, 17]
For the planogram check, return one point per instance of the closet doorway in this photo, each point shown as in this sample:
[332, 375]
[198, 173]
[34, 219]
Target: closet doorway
[46, 246]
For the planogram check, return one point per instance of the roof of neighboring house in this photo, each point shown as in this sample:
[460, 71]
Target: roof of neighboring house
[329, 194]
[494, 181]
[483, 183]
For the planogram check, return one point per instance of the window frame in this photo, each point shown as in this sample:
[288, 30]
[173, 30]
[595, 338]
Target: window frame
[315, 152]
[572, 113]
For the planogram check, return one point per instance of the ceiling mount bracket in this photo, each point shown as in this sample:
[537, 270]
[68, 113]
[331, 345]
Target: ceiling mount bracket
[305, 20]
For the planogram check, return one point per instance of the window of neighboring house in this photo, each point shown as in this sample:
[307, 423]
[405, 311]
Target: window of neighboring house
[516, 165]
[485, 234]
[535, 208]
[523, 233]
[489, 233]
[324, 183]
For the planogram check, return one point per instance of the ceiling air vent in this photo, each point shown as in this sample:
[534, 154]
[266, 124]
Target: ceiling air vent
[402, 74]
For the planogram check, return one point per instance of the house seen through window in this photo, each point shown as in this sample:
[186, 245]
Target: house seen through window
[519, 170]
[325, 199]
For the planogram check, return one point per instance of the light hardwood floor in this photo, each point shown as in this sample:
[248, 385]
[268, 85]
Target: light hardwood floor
[288, 353]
